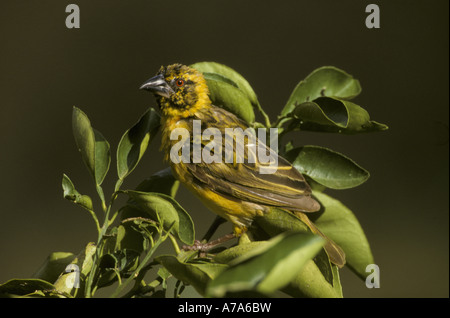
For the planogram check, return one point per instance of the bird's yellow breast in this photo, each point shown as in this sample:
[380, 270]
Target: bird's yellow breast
[239, 213]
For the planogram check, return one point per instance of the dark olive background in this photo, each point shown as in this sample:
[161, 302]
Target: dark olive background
[45, 69]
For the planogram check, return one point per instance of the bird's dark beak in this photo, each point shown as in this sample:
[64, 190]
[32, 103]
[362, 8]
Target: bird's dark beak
[158, 85]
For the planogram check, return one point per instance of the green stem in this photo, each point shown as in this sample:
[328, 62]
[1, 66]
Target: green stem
[116, 271]
[115, 214]
[119, 288]
[263, 113]
[89, 291]
[102, 196]
[97, 224]
[280, 121]
[175, 244]
[118, 185]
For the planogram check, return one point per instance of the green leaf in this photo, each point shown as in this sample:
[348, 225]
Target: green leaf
[25, 287]
[327, 167]
[119, 262]
[84, 138]
[329, 114]
[324, 81]
[92, 145]
[231, 98]
[163, 207]
[312, 284]
[335, 220]
[325, 284]
[135, 141]
[337, 281]
[229, 89]
[129, 238]
[267, 268]
[102, 157]
[135, 232]
[341, 225]
[219, 78]
[71, 194]
[230, 74]
[231, 253]
[161, 182]
[276, 221]
[325, 266]
[66, 282]
[196, 274]
[134, 237]
[53, 266]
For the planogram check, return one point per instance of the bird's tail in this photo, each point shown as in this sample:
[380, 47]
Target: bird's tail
[336, 254]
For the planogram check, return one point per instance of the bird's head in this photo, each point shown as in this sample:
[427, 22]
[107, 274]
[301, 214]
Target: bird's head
[180, 90]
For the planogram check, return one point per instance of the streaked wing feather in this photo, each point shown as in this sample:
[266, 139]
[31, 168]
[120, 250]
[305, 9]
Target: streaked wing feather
[286, 188]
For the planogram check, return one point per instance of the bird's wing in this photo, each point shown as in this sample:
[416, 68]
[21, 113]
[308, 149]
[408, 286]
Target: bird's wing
[284, 188]
[254, 187]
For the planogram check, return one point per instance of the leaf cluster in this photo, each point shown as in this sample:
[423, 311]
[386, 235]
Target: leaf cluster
[280, 255]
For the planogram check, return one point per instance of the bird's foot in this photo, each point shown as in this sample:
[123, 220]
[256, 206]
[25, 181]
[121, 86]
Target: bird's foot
[205, 247]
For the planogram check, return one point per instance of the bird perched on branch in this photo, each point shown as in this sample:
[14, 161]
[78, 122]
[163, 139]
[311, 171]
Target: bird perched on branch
[234, 190]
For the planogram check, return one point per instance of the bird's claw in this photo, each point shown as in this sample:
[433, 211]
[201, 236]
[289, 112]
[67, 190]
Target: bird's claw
[197, 246]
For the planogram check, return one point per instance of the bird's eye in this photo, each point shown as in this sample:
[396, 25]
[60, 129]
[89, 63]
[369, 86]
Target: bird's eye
[180, 82]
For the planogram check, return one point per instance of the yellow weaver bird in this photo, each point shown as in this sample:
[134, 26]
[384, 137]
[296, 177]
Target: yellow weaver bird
[235, 191]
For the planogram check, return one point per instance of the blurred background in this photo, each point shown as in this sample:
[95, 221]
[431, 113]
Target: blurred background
[46, 68]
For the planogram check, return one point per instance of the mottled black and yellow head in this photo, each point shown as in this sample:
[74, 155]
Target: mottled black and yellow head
[180, 90]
